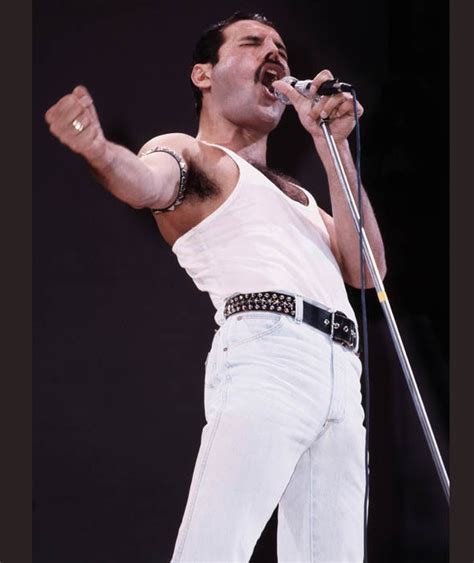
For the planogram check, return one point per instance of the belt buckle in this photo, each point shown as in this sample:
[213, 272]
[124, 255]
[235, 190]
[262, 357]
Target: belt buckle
[338, 334]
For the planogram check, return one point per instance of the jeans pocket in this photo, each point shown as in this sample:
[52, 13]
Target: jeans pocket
[247, 327]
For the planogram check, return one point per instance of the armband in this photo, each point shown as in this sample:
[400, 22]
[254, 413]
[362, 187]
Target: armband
[183, 172]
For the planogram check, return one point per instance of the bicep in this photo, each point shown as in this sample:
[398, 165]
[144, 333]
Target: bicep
[164, 167]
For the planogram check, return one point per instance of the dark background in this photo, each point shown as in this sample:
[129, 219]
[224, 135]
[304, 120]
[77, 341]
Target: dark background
[121, 333]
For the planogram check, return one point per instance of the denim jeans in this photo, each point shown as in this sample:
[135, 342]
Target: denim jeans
[284, 427]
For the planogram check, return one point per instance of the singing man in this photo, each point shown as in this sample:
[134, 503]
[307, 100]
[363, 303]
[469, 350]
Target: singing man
[284, 420]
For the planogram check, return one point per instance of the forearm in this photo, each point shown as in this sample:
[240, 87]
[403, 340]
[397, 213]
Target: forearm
[125, 175]
[342, 109]
[74, 121]
[346, 232]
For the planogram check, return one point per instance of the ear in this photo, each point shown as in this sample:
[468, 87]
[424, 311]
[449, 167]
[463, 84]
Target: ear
[201, 75]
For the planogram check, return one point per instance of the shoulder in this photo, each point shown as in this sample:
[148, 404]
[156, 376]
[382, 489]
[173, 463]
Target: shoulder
[211, 177]
[209, 169]
[188, 147]
[192, 150]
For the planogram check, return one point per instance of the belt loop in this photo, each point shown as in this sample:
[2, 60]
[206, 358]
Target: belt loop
[333, 313]
[357, 344]
[298, 309]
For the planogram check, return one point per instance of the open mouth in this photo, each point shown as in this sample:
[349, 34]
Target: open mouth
[268, 76]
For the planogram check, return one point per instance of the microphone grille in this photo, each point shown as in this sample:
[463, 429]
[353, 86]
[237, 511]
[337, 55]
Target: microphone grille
[291, 80]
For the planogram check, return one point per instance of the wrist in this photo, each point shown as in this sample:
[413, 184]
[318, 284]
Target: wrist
[323, 150]
[102, 157]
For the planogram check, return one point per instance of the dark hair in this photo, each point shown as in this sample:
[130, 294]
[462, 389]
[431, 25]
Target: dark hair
[208, 45]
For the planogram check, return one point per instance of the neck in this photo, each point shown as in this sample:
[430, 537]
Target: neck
[247, 142]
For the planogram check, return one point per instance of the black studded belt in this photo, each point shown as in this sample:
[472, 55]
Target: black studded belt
[336, 324]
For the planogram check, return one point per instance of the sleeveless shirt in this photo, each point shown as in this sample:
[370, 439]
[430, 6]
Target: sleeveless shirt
[259, 239]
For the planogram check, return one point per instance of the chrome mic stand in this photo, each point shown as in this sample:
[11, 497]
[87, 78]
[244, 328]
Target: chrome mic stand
[392, 325]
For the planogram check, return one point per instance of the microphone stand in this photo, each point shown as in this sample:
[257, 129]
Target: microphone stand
[392, 325]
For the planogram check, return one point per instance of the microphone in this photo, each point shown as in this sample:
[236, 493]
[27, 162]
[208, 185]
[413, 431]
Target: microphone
[327, 88]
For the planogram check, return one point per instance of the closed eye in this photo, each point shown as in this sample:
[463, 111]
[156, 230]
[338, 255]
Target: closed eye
[257, 41]
[281, 52]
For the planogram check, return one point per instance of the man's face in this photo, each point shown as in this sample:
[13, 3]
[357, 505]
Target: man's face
[251, 57]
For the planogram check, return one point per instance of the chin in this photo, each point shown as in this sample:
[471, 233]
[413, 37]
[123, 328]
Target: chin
[270, 117]
[262, 117]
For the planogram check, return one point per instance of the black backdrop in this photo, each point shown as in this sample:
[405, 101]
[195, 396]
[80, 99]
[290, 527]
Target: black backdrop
[121, 333]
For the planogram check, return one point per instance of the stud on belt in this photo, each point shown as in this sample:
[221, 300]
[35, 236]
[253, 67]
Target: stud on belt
[336, 324]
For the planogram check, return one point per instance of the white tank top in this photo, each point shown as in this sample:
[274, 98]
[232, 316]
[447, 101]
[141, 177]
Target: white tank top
[260, 239]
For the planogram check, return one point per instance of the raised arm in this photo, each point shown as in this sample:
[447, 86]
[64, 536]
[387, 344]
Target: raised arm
[343, 234]
[151, 181]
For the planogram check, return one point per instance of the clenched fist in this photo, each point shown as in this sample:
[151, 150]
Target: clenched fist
[73, 120]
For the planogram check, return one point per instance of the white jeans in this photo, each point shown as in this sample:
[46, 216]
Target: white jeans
[284, 427]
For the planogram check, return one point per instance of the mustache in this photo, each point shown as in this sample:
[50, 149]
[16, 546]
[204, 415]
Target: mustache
[259, 69]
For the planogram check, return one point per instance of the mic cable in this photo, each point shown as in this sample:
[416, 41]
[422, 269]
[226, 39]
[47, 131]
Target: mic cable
[329, 88]
[364, 327]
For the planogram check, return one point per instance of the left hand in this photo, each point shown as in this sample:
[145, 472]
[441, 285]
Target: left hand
[339, 108]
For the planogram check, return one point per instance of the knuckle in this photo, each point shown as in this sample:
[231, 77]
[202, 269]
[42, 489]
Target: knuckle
[65, 100]
[69, 102]
[62, 104]
[80, 90]
[85, 101]
[325, 73]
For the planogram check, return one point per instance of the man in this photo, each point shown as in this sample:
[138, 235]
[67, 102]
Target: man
[282, 383]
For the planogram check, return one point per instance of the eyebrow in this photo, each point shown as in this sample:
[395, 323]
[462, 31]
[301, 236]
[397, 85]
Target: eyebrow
[259, 39]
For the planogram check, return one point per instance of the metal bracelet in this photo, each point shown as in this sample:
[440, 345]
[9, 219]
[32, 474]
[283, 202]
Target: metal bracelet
[183, 173]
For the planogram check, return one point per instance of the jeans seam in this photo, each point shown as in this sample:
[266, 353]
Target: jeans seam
[341, 387]
[323, 430]
[180, 548]
[327, 420]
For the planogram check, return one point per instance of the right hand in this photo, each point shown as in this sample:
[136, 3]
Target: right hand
[77, 108]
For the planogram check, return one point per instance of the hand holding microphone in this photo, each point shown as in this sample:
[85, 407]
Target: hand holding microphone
[321, 98]
[327, 88]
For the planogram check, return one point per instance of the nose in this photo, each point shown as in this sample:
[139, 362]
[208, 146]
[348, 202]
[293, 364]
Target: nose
[270, 48]
[271, 52]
